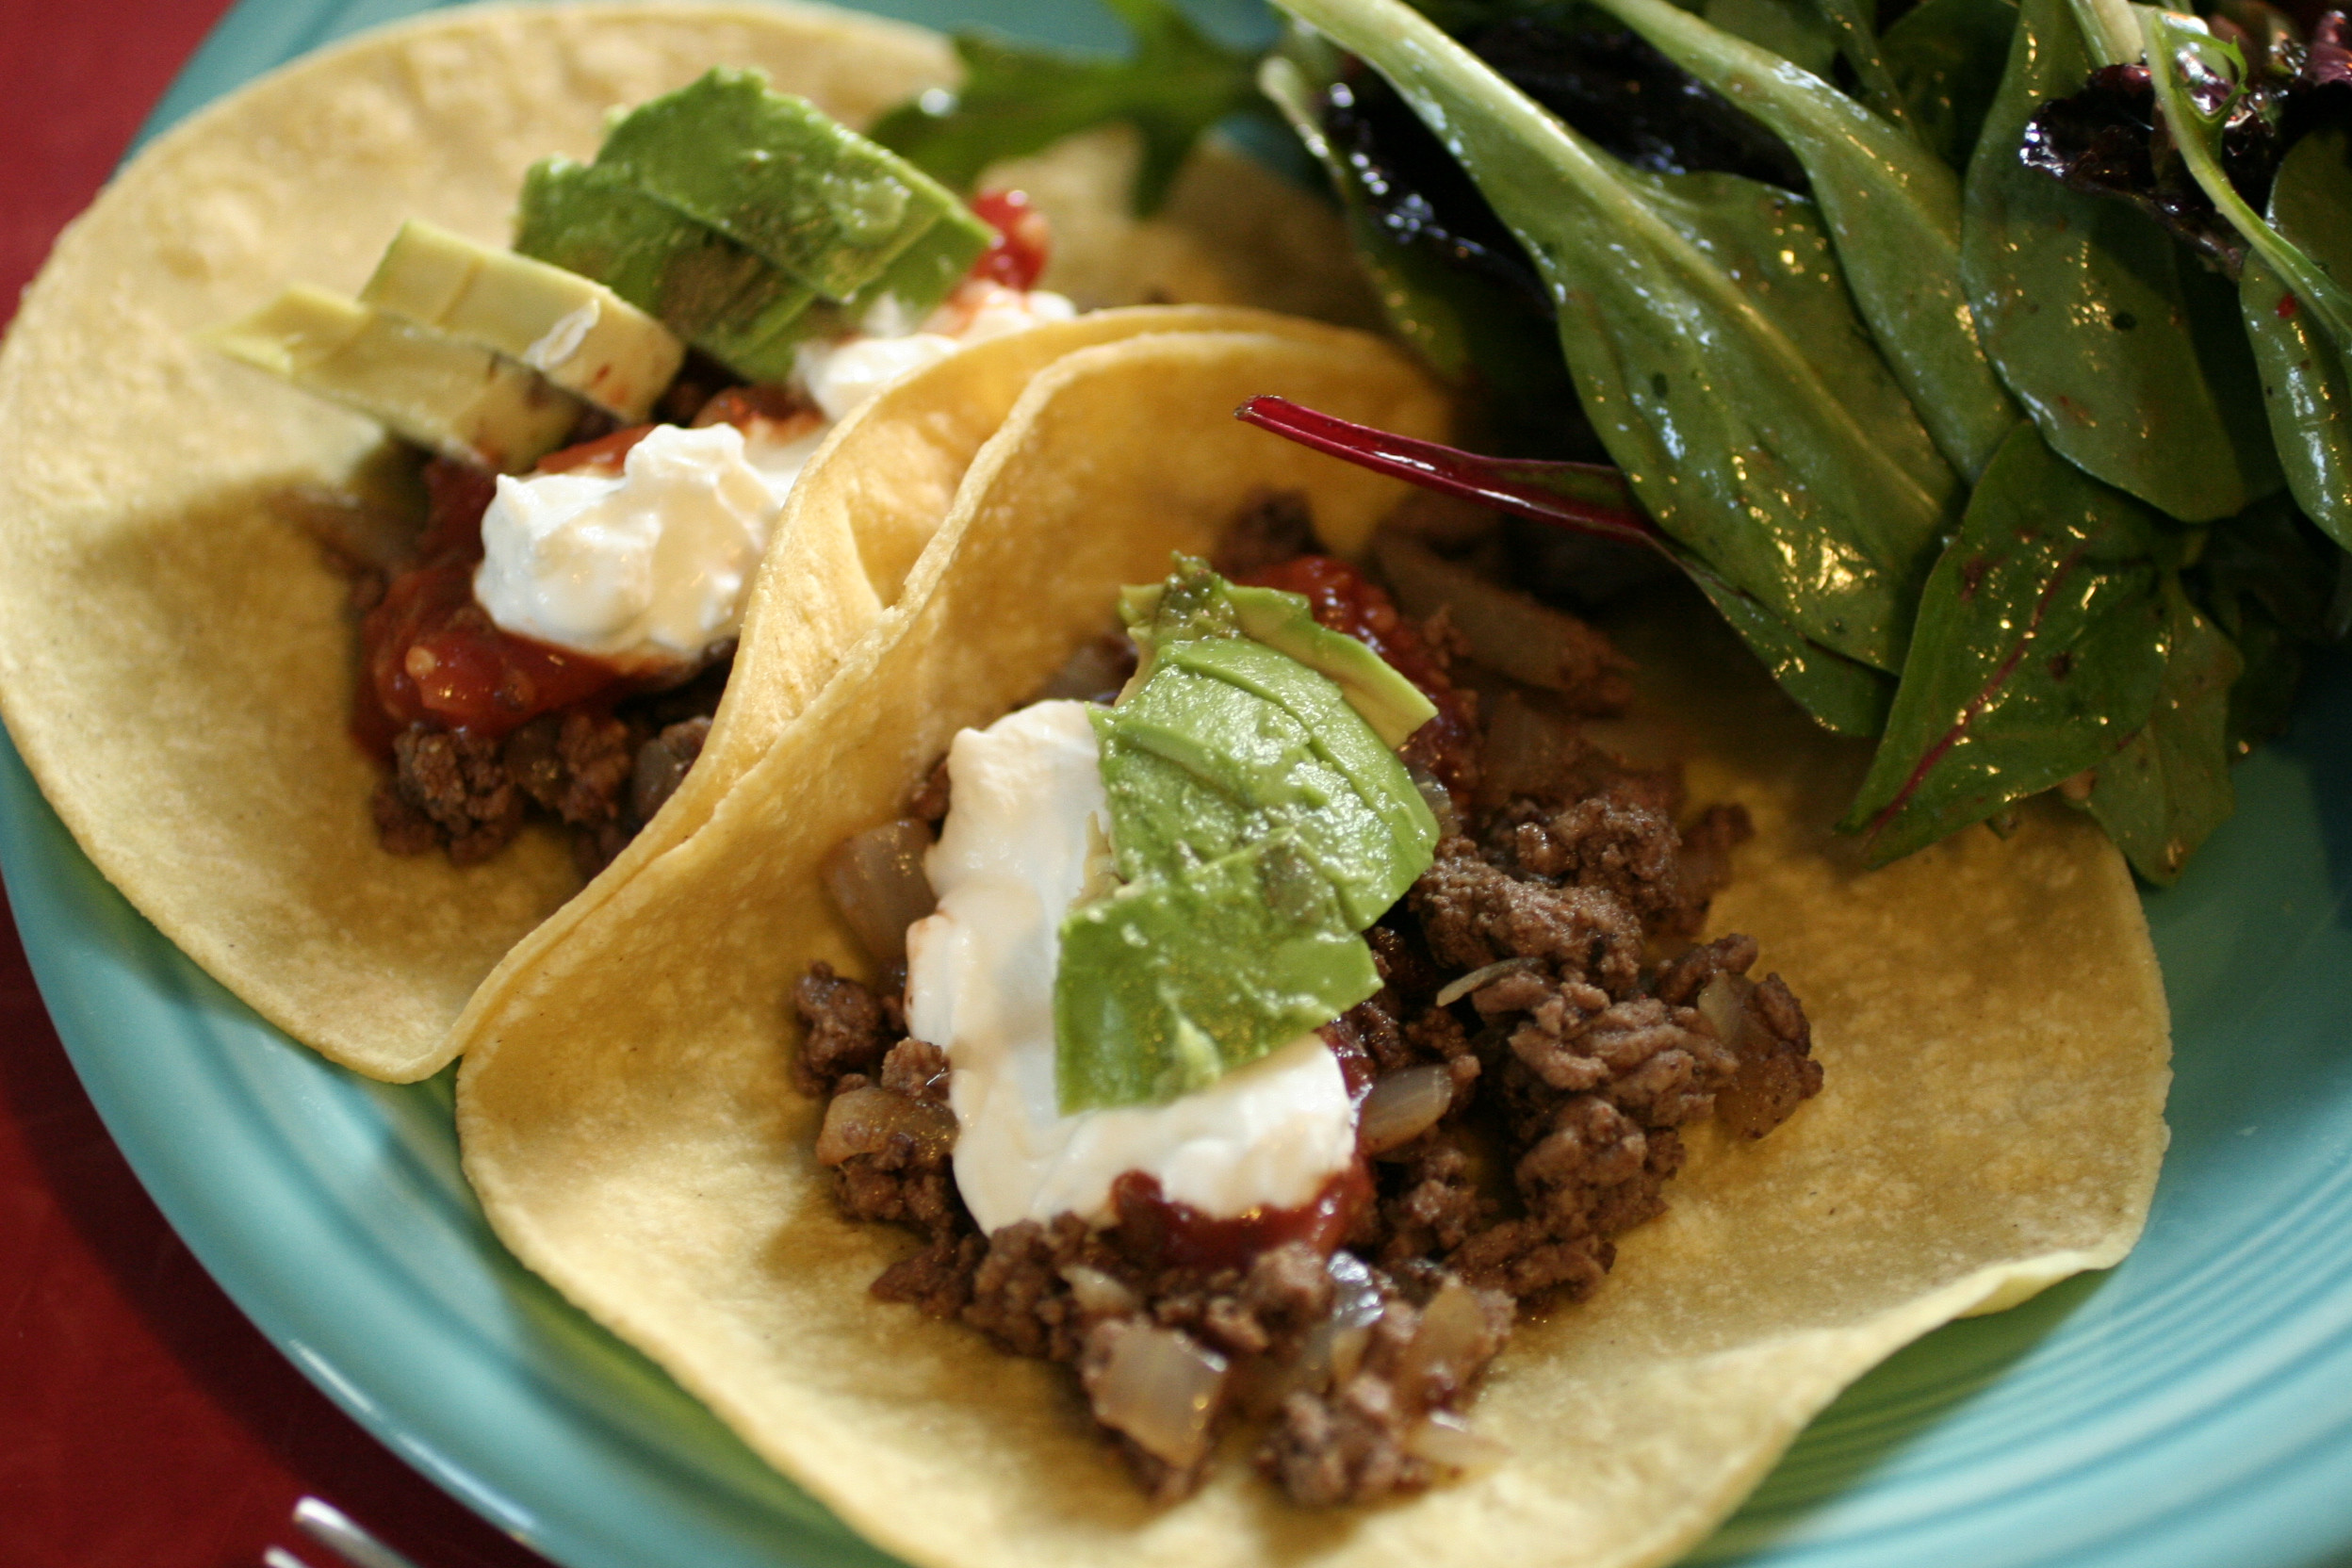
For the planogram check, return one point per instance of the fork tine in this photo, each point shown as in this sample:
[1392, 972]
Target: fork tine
[278, 1556]
[333, 1529]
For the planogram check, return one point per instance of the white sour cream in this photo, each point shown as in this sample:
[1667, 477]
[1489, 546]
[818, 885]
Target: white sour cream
[650, 567]
[1027, 800]
[645, 567]
[841, 375]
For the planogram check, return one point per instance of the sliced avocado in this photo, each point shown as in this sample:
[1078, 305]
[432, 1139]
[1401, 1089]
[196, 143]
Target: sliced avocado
[772, 172]
[1259, 823]
[1243, 954]
[571, 329]
[458, 399]
[1392, 706]
[705, 287]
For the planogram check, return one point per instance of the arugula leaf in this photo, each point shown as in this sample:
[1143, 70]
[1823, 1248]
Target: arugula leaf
[1893, 208]
[2088, 310]
[1946, 59]
[2306, 386]
[2041, 645]
[2168, 788]
[1017, 99]
[1712, 344]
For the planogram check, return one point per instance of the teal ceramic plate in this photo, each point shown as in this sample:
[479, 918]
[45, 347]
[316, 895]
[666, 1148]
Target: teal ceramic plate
[2190, 1410]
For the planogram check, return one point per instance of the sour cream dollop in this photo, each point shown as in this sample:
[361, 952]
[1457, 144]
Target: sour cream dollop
[650, 567]
[1028, 804]
[843, 374]
[645, 567]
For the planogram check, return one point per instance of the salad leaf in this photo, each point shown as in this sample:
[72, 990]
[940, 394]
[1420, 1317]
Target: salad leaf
[1844, 696]
[1017, 99]
[1893, 208]
[2306, 386]
[1712, 344]
[1468, 329]
[1946, 59]
[2168, 788]
[2088, 311]
[2041, 646]
[1854, 23]
[1797, 30]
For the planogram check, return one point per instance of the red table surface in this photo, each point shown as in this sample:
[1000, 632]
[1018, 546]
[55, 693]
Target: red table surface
[143, 1422]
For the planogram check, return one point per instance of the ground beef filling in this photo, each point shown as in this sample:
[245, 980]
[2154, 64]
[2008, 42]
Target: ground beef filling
[1545, 1030]
[601, 771]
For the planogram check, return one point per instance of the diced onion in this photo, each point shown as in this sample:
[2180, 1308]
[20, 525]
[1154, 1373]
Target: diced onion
[1461, 986]
[864, 1121]
[1723, 1003]
[1402, 1105]
[1160, 1387]
[1439, 799]
[1445, 1438]
[1507, 631]
[1355, 1298]
[1449, 1345]
[1098, 1294]
[876, 880]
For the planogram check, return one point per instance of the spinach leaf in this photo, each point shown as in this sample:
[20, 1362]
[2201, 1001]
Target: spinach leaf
[1894, 208]
[1946, 59]
[2305, 382]
[1842, 696]
[2265, 578]
[2086, 306]
[1797, 30]
[1468, 329]
[2040, 646]
[1016, 99]
[2168, 788]
[1856, 24]
[1711, 342]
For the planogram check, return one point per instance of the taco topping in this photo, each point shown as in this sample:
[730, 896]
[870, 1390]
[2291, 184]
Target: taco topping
[507, 664]
[1324, 1233]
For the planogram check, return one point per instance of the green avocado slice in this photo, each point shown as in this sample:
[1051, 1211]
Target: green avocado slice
[1258, 822]
[703, 287]
[772, 172]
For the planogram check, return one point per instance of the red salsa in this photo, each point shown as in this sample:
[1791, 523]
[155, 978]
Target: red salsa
[433, 656]
[1344, 599]
[1155, 1229]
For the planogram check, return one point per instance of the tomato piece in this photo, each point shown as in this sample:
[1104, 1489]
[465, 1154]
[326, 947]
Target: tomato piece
[1023, 240]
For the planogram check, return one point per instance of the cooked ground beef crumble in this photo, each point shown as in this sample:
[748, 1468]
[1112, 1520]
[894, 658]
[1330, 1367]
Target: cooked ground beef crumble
[1540, 981]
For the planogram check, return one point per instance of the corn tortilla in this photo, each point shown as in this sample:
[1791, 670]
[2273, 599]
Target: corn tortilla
[176, 665]
[1988, 1013]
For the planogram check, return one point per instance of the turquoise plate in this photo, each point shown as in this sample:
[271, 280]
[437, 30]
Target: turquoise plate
[2191, 1409]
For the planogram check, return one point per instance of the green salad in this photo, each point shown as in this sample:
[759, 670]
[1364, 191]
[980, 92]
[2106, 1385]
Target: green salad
[1983, 363]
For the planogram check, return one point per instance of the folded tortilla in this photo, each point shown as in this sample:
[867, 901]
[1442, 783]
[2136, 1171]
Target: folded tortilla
[1988, 1013]
[176, 661]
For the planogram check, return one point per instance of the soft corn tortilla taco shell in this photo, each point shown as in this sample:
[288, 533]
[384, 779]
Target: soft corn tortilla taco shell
[1988, 1013]
[176, 662]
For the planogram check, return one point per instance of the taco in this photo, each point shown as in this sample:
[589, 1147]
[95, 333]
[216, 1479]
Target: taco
[176, 658]
[1987, 1014]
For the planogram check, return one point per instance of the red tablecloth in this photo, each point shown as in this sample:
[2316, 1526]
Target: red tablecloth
[143, 1423]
